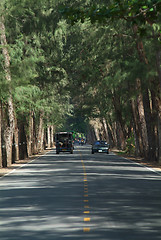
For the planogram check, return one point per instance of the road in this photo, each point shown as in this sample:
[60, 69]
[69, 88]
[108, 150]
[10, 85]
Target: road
[80, 196]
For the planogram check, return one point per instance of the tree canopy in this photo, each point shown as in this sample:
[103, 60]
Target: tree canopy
[75, 61]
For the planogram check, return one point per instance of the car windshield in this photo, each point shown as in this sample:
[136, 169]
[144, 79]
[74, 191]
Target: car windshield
[103, 142]
[100, 143]
[97, 143]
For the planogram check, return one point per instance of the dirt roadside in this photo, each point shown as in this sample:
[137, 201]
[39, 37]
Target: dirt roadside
[18, 164]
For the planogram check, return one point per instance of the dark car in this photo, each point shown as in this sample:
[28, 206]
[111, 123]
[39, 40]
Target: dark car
[100, 147]
[64, 142]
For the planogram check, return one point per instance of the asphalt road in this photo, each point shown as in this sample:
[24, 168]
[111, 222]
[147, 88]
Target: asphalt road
[80, 196]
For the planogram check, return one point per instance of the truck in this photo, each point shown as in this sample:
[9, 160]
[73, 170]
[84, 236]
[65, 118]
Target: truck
[64, 142]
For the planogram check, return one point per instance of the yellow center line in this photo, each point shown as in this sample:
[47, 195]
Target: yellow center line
[85, 195]
[86, 229]
[86, 212]
[86, 207]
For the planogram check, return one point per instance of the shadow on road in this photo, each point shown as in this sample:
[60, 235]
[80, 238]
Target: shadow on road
[44, 200]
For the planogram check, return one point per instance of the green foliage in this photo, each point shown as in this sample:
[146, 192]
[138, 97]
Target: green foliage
[130, 145]
[134, 11]
[75, 72]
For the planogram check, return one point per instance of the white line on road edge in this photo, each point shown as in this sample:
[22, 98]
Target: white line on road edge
[25, 164]
[149, 168]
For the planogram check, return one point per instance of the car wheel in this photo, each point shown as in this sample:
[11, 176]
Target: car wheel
[92, 152]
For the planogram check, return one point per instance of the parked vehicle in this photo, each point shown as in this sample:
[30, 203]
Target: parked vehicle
[64, 142]
[100, 147]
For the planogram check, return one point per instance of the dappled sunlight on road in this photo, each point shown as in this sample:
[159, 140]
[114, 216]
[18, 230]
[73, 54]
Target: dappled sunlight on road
[80, 196]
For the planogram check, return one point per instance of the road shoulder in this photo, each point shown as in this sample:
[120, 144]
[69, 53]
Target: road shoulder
[154, 165]
[20, 163]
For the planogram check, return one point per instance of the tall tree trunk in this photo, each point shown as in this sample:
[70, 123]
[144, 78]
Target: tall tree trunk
[91, 135]
[40, 129]
[16, 138]
[34, 136]
[158, 101]
[96, 132]
[113, 140]
[1, 165]
[23, 141]
[142, 121]
[104, 124]
[49, 136]
[158, 64]
[9, 131]
[29, 135]
[42, 141]
[117, 106]
[150, 124]
[52, 136]
[137, 130]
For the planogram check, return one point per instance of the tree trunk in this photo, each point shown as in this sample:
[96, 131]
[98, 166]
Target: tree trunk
[16, 138]
[49, 136]
[158, 63]
[159, 138]
[142, 121]
[104, 124]
[9, 131]
[137, 130]
[1, 165]
[42, 141]
[8, 136]
[96, 133]
[150, 124]
[113, 140]
[23, 140]
[158, 101]
[34, 135]
[52, 136]
[91, 135]
[40, 129]
[30, 135]
[117, 106]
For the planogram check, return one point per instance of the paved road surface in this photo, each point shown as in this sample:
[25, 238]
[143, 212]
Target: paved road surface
[80, 196]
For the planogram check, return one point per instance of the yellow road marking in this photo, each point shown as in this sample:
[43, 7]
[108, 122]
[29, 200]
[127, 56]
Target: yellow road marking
[86, 212]
[86, 206]
[86, 219]
[86, 229]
